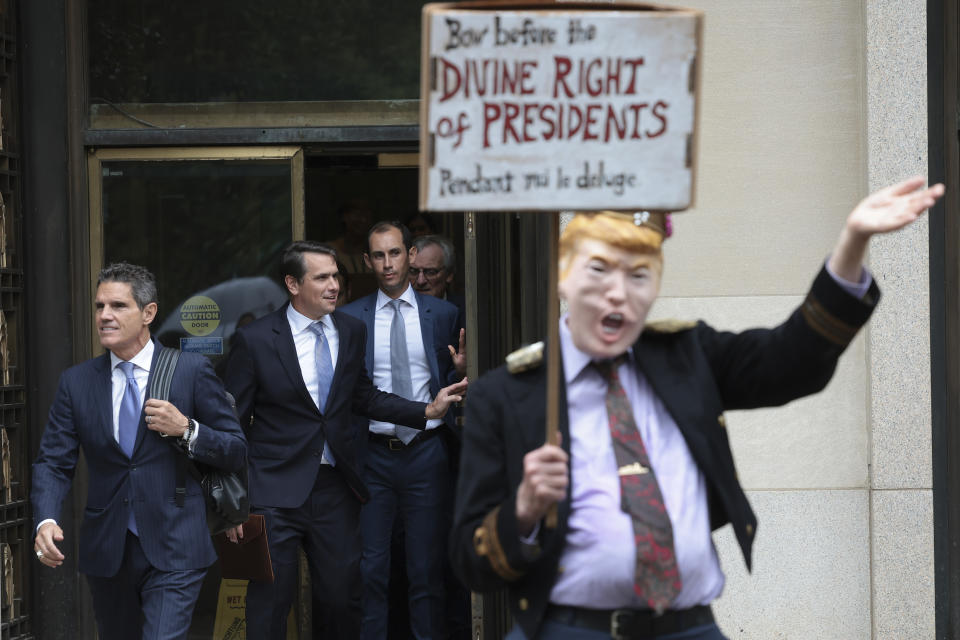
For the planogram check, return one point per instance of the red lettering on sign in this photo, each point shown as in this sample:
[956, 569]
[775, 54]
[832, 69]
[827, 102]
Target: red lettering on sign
[562, 66]
[491, 113]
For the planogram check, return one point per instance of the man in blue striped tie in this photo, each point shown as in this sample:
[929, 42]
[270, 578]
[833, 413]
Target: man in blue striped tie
[144, 556]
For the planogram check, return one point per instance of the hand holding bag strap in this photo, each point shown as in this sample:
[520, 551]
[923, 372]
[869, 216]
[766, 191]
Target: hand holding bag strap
[163, 373]
[160, 383]
[225, 493]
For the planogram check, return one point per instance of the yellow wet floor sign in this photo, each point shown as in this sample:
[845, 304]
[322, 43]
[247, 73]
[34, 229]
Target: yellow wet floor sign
[231, 613]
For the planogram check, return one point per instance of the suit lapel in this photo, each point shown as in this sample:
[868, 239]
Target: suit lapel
[426, 332]
[369, 316]
[103, 392]
[345, 335]
[672, 384]
[142, 425]
[287, 352]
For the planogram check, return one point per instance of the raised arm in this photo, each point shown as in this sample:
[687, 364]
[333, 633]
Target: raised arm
[886, 210]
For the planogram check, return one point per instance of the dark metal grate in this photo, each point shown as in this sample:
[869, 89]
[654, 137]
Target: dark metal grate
[16, 530]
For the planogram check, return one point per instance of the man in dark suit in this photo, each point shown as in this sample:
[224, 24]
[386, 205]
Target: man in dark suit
[298, 376]
[643, 470]
[144, 556]
[410, 351]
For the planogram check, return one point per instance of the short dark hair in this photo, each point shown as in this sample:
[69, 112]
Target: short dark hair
[449, 253]
[386, 225]
[143, 286]
[291, 260]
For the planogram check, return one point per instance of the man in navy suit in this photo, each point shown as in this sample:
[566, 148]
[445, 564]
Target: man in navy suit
[299, 379]
[409, 351]
[144, 556]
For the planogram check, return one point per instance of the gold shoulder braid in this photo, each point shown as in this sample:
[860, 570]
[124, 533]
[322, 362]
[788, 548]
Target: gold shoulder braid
[486, 543]
[525, 358]
[670, 326]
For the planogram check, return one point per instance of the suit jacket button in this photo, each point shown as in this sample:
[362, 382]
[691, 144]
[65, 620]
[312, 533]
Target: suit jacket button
[524, 604]
[126, 500]
[318, 453]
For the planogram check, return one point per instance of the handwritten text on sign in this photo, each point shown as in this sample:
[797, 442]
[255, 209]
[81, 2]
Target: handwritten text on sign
[560, 110]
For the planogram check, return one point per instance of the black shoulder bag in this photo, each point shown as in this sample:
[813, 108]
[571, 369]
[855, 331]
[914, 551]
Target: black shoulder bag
[225, 492]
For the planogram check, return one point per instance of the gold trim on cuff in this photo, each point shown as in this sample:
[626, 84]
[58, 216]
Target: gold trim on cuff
[826, 324]
[486, 542]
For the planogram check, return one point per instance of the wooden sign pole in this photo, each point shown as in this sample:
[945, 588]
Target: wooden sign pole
[553, 345]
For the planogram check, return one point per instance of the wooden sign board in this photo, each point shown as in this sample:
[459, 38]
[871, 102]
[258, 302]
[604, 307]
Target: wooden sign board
[557, 106]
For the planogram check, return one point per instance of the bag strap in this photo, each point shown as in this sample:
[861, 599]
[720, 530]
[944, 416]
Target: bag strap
[160, 383]
[163, 373]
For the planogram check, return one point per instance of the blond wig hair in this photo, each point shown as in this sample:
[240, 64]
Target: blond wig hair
[615, 228]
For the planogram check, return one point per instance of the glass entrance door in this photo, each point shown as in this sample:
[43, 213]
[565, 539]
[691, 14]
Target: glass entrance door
[209, 223]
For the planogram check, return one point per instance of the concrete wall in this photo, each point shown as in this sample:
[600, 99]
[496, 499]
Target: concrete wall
[807, 105]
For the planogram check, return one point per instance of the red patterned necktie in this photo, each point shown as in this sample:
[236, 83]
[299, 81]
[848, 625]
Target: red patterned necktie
[657, 579]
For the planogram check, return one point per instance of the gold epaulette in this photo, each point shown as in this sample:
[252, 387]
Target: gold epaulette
[670, 326]
[486, 543]
[525, 358]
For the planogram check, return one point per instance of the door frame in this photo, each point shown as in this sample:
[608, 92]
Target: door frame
[96, 157]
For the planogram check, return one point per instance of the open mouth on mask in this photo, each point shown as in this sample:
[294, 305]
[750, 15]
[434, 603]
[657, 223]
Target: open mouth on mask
[612, 322]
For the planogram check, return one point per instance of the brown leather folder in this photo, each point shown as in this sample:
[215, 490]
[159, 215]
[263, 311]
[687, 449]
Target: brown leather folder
[249, 557]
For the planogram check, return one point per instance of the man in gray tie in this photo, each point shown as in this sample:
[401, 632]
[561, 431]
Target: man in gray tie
[410, 351]
[299, 379]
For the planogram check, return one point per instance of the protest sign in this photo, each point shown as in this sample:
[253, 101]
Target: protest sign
[558, 106]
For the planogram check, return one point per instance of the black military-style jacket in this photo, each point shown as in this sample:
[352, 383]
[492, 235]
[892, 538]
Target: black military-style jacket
[697, 372]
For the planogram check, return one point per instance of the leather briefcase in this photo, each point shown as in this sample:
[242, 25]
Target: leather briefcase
[249, 557]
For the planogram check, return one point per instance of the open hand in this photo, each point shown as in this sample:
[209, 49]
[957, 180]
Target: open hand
[886, 210]
[446, 397]
[459, 356]
[893, 207]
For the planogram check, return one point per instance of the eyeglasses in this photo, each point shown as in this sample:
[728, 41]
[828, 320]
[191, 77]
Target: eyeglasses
[428, 273]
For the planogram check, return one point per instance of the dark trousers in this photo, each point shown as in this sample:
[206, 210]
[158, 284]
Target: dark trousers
[552, 630]
[326, 526]
[413, 483]
[142, 601]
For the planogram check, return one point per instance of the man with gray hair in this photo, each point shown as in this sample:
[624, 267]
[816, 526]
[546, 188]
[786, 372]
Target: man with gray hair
[433, 263]
[144, 553]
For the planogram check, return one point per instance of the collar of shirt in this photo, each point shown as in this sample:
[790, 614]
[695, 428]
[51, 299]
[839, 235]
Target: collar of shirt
[407, 296]
[299, 322]
[141, 373]
[142, 360]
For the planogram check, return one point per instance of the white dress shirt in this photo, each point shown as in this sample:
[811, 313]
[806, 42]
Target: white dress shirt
[419, 368]
[305, 342]
[118, 381]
